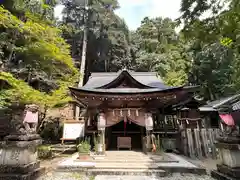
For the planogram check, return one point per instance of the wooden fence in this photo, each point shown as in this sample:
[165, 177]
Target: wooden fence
[199, 143]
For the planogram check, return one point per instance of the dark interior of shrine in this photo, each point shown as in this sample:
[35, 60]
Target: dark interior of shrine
[132, 130]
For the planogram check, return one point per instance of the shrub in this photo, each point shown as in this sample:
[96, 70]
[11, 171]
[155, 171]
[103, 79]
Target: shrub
[51, 129]
[84, 147]
[44, 152]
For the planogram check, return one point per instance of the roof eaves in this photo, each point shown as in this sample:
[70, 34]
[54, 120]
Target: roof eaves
[225, 101]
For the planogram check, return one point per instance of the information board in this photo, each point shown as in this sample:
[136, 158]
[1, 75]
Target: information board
[73, 130]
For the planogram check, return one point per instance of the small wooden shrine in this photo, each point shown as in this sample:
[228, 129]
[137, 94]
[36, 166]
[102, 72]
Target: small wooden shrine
[128, 104]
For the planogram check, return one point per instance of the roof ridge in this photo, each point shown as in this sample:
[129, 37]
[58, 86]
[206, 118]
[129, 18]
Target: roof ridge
[119, 72]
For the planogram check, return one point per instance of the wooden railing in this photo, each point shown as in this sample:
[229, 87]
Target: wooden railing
[199, 143]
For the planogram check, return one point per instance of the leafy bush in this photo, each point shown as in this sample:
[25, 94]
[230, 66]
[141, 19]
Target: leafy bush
[51, 129]
[84, 147]
[44, 152]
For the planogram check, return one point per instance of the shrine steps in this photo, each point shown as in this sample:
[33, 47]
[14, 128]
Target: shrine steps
[128, 172]
[125, 166]
[130, 163]
[64, 149]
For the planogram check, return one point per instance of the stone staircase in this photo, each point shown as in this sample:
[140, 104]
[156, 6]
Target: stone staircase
[127, 172]
[118, 163]
[129, 163]
[59, 149]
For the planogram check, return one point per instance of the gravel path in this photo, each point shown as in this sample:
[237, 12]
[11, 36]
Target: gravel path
[77, 176]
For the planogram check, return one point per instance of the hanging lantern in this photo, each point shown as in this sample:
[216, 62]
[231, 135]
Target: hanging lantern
[137, 113]
[101, 121]
[148, 121]
[89, 121]
[129, 112]
[178, 122]
[165, 119]
[121, 113]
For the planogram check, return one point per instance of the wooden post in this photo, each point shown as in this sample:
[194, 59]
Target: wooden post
[205, 142]
[198, 143]
[212, 145]
[103, 141]
[184, 138]
[190, 143]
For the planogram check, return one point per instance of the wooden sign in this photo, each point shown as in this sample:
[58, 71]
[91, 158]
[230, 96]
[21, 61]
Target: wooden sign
[72, 130]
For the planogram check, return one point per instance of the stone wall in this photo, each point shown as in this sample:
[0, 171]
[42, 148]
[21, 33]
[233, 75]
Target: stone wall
[64, 113]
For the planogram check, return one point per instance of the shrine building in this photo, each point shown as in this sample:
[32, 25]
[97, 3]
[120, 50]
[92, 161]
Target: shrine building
[128, 104]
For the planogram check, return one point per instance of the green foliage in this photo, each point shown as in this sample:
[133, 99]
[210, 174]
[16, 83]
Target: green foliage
[19, 92]
[44, 152]
[34, 45]
[84, 147]
[40, 44]
[155, 46]
[108, 35]
[51, 129]
[214, 45]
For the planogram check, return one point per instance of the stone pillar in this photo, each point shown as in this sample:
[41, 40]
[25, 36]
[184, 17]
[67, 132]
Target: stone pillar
[229, 152]
[18, 157]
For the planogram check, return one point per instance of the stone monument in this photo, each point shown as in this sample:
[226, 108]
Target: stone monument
[18, 151]
[229, 152]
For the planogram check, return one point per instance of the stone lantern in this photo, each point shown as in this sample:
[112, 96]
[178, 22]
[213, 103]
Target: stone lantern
[229, 148]
[18, 151]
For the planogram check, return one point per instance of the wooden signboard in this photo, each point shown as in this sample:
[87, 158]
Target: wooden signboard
[72, 130]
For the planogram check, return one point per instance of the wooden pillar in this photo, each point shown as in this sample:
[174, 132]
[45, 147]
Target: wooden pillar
[103, 141]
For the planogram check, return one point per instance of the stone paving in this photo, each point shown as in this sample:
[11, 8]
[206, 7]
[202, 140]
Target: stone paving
[75, 176]
[172, 177]
[129, 159]
[120, 160]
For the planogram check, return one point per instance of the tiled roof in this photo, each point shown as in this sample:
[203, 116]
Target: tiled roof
[147, 78]
[125, 90]
[234, 101]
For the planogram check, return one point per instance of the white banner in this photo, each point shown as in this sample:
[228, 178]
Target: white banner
[73, 131]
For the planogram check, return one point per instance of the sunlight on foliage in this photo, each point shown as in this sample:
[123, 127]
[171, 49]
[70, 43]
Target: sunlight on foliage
[21, 92]
[40, 42]
[37, 44]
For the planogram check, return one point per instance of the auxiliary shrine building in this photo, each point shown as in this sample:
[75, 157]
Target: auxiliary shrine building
[129, 103]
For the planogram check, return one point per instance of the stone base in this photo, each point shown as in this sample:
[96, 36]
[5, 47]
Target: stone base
[232, 172]
[33, 175]
[22, 137]
[229, 139]
[19, 169]
[219, 176]
[229, 154]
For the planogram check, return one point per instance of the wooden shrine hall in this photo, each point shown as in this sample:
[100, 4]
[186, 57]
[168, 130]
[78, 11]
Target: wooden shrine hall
[126, 104]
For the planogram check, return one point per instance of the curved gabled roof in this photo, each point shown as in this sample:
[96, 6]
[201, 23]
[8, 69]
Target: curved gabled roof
[145, 79]
[124, 91]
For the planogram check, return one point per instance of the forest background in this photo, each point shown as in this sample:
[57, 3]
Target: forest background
[40, 56]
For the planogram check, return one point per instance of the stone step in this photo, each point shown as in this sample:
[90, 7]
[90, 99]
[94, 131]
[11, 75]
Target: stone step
[65, 149]
[126, 166]
[132, 161]
[130, 172]
[124, 161]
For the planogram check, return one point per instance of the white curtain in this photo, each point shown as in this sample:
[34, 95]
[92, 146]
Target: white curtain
[115, 116]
